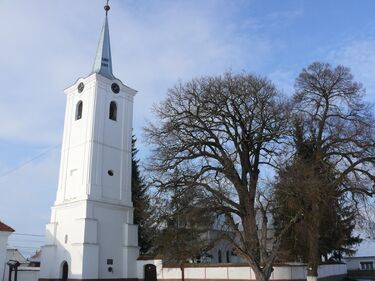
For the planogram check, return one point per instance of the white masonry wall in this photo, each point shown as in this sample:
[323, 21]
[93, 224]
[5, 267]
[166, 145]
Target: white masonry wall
[237, 272]
[3, 250]
[216, 272]
[354, 263]
[27, 274]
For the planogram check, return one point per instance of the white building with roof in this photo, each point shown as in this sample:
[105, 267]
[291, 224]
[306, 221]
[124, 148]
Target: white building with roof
[91, 234]
[5, 232]
[364, 258]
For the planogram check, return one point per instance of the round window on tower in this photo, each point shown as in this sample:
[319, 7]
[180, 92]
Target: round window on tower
[115, 88]
[81, 86]
[110, 173]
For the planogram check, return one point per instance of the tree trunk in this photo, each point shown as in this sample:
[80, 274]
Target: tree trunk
[313, 262]
[312, 271]
[312, 278]
[313, 247]
[182, 267]
[261, 276]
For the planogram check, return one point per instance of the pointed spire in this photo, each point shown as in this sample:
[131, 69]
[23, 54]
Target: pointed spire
[103, 59]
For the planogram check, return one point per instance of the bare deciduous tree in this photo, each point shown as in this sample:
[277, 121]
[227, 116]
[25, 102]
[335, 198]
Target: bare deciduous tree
[366, 220]
[217, 134]
[338, 129]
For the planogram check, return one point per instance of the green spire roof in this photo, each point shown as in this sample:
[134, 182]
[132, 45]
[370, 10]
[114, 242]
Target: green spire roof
[103, 59]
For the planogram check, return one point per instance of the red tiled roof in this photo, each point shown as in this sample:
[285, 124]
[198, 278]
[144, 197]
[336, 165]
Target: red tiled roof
[4, 227]
[37, 255]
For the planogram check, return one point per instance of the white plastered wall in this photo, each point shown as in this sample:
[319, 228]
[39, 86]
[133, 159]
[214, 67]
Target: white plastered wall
[3, 249]
[91, 221]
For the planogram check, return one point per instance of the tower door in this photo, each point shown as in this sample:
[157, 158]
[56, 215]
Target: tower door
[150, 272]
[65, 270]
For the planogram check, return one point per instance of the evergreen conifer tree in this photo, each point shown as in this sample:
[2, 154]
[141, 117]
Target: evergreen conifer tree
[141, 203]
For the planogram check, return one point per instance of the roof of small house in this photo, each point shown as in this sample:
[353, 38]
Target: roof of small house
[366, 248]
[36, 257]
[5, 228]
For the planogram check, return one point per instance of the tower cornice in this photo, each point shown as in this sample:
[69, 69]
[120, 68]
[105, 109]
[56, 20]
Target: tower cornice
[101, 79]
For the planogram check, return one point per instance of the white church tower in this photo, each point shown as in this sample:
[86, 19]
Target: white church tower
[91, 234]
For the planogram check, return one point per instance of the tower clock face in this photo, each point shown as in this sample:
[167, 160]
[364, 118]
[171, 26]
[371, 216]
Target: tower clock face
[81, 86]
[115, 88]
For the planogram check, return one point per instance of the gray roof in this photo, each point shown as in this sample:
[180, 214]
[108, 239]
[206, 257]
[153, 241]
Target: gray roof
[103, 59]
[366, 248]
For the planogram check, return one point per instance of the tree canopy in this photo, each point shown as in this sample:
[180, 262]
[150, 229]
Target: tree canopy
[332, 164]
[221, 136]
[215, 135]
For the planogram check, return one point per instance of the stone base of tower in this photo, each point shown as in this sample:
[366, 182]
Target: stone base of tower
[90, 240]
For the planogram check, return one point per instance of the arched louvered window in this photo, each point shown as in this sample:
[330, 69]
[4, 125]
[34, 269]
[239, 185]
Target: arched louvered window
[219, 258]
[79, 108]
[228, 257]
[113, 111]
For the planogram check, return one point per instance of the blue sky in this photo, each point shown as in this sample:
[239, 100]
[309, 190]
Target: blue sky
[46, 45]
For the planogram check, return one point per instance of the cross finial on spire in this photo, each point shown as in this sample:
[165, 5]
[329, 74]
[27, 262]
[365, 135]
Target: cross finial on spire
[103, 59]
[107, 8]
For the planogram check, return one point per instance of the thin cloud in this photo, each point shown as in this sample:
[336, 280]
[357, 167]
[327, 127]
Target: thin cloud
[31, 188]
[359, 55]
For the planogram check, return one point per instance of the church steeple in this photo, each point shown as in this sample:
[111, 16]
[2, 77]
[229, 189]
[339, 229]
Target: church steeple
[103, 59]
[94, 196]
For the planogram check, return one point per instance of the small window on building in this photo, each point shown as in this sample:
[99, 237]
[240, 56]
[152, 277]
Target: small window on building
[113, 111]
[228, 257]
[110, 173]
[367, 265]
[219, 259]
[79, 108]
[66, 238]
